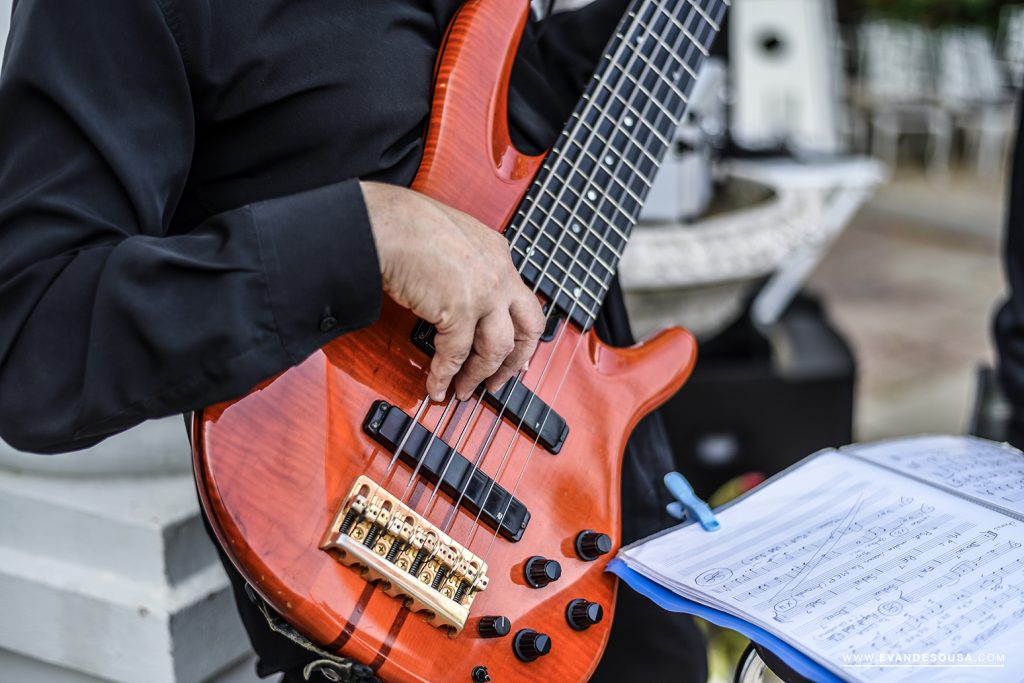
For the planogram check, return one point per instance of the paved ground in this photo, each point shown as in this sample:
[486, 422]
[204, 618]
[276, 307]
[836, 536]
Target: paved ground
[913, 284]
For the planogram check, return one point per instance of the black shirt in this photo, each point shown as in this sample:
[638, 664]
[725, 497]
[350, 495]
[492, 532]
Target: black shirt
[179, 203]
[1009, 321]
[180, 212]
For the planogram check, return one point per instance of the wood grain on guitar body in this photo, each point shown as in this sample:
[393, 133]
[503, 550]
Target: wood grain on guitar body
[430, 540]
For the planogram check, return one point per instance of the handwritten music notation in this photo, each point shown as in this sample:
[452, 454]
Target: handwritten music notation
[981, 469]
[846, 560]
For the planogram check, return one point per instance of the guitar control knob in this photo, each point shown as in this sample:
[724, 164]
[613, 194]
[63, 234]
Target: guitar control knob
[591, 545]
[582, 614]
[529, 645]
[494, 627]
[541, 571]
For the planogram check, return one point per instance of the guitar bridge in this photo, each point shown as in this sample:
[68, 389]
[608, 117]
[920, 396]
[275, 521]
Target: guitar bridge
[378, 535]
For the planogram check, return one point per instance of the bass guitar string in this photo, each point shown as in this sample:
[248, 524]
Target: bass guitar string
[561, 289]
[426, 448]
[681, 38]
[386, 479]
[685, 33]
[624, 42]
[518, 379]
[451, 456]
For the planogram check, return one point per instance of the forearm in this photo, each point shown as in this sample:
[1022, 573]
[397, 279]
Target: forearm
[96, 340]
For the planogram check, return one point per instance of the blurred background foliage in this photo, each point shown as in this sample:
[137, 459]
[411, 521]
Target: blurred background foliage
[938, 12]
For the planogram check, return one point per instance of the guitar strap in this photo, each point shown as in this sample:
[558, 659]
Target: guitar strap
[331, 667]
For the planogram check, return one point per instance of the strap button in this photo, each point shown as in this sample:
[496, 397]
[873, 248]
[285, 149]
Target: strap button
[328, 323]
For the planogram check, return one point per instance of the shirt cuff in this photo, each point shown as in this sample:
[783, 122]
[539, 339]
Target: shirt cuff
[321, 265]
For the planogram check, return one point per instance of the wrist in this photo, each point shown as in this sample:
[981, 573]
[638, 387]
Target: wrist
[376, 201]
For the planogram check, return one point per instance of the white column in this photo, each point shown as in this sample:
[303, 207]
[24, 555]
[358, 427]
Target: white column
[105, 569]
[106, 573]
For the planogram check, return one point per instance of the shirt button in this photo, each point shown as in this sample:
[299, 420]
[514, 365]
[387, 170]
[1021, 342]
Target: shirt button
[328, 323]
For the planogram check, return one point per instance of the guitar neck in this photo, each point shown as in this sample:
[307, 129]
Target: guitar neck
[570, 231]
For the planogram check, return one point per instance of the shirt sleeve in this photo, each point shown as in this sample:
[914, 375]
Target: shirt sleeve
[108, 316]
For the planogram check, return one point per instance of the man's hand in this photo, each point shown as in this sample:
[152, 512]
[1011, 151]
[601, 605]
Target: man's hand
[456, 273]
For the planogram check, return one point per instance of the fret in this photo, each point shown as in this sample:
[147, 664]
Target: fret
[618, 181]
[646, 152]
[592, 201]
[600, 146]
[686, 32]
[620, 102]
[592, 196]
[654, 100]
[605, 244]
[563, 217]
[545, 244]
[542, 232]
[578, 215]
[700, 11]
[588, 275]
[658, 137]
[547, 285]
[670, 56]
[681, 61]
[581, 287]
[588, 204]
[638, 154]
[600, 278]
[637, 173]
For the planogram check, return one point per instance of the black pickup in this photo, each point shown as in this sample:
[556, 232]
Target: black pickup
[388, 424]
[518, 404]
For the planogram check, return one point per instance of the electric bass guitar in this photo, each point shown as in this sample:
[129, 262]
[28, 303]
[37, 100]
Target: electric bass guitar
[468, 540]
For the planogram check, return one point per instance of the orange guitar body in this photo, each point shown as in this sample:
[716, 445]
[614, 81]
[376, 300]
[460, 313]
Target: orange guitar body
[274, 467]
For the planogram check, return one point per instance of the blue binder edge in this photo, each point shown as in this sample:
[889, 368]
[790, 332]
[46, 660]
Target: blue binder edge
[666, 599]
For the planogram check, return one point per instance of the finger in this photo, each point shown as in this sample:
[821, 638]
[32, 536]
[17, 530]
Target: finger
[495, 339]
[452, 348]
[528, 320]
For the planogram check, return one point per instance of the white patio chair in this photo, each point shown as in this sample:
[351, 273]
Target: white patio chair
[898, 89]
[972, 88]
[1011, 43]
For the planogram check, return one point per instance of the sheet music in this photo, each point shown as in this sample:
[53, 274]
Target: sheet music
[863, 570]
[988, 471]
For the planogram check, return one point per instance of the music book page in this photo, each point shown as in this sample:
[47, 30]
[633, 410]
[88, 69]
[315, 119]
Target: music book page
[877, 576]
[984, 470]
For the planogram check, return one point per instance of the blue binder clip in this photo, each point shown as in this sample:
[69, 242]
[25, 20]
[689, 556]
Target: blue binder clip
[687, 504]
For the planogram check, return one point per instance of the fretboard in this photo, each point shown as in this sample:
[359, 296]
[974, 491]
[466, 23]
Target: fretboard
[570, 231]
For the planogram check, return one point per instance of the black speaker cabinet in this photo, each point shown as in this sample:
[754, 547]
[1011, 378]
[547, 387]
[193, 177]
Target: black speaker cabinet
[758, 402]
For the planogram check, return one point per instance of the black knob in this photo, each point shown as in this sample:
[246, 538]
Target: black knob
[591, 545]
[494, 627]
[582, 614]
[541, 571]
[529, 645]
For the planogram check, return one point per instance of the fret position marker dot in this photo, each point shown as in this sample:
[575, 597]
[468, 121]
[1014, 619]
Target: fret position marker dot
[592, 196]
[609, 160]
[628, 121]
[576, 228]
